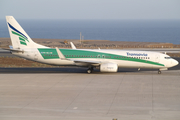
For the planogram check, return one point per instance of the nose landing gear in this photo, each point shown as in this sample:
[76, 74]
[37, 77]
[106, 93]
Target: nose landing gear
[159, 71]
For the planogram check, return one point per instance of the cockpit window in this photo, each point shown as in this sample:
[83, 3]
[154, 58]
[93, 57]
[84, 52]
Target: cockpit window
[167, 57]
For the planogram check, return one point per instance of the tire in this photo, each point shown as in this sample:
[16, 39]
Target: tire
[89, 71]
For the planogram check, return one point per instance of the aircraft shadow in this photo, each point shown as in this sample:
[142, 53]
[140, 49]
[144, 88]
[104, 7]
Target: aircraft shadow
[70, 70]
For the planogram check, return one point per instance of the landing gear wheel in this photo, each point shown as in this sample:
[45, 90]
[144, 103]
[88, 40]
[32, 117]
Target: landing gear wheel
[159, 72]
[89, 71]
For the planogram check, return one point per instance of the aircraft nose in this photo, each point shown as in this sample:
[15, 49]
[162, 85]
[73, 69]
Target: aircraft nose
[175, 62]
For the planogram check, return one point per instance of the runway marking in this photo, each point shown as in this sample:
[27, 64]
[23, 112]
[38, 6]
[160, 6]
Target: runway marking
[75, 108]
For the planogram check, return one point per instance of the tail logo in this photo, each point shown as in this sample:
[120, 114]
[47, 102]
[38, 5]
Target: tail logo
[22, 38]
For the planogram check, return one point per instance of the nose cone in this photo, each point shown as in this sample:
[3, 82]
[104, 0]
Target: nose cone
[175, 62]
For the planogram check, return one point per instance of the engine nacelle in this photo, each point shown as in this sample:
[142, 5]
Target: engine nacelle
[108, 67]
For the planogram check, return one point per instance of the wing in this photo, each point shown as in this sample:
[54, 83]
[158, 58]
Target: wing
[75, 60]
[85, 61]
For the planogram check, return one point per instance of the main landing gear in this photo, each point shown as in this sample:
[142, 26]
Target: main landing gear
[159, 71]
[89, 70]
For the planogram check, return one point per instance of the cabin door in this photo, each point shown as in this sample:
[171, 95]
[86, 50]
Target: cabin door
[157, 58]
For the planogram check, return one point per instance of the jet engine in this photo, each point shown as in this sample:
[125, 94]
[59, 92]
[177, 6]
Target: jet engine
[108, 67]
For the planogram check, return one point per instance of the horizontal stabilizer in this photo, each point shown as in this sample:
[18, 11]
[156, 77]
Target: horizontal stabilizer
[11, 47]
[13, 50]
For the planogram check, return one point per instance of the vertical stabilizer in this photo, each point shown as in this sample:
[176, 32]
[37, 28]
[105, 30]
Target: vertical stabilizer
[19, 37]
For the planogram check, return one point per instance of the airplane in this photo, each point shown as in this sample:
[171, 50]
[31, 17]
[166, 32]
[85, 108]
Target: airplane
[104, 59]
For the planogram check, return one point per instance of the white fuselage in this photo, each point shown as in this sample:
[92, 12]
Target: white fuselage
[123, 58]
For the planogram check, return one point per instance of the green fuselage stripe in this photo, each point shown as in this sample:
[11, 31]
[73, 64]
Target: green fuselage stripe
[70, 53]
[49, 53]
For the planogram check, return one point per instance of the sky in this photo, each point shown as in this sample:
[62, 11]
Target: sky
[91, 9]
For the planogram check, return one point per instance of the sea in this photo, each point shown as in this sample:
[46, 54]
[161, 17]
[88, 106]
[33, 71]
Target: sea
[166, 31]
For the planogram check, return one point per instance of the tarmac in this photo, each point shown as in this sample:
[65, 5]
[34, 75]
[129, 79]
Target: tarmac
[69, 95]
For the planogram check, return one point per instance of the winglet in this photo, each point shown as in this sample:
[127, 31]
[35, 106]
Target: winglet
[60, 54]
[72, 45]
